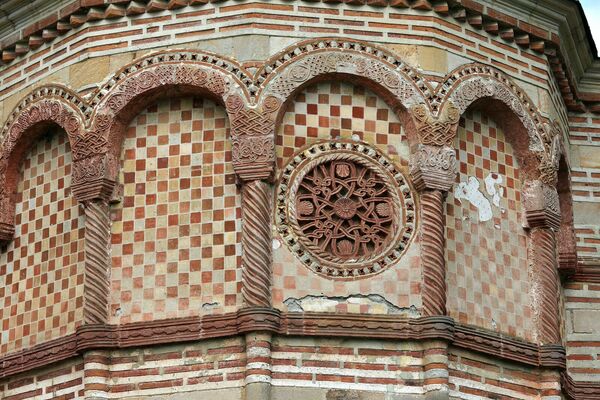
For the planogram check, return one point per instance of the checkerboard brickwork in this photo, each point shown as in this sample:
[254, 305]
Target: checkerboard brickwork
[41, 271]
[332, 110]
[177, 231]
[487, 272]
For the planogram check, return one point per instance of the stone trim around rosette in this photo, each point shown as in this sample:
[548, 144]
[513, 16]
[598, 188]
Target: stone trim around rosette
[541, 205]
[344, 209]
[42, 108]
[153, 76]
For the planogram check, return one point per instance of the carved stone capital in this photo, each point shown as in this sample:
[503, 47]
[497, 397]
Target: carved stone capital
[253, 137]
[7, 218]
[433, 167]
[437, 130]
[541, 205]
[92, 178]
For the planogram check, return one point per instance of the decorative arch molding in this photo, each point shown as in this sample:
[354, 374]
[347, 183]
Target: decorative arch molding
[51, 104]
[307, 62]
[137, 84]
[471, 83]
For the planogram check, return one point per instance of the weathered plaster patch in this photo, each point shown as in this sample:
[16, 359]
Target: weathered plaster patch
[376, 303]
[470, 191]
[490, 187]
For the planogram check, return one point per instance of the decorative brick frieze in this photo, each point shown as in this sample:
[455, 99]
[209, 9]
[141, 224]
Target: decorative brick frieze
[290, 324]
[521, 33]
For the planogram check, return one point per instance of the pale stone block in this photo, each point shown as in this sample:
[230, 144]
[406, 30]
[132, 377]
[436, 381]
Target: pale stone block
[406, 53]
[61, 76]
[585, 213]
[92, 70]
[433, 59]
[586, 321]
[589, 156]
[259, 50]
[118, 61]
[297, 393]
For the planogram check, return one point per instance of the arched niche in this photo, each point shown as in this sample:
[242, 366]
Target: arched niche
[488, 277]
[42, 269]
[339, 107]
[44, 108]
[176, 223]
[313, 61]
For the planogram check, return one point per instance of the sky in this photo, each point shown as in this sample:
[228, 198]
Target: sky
[592, 12]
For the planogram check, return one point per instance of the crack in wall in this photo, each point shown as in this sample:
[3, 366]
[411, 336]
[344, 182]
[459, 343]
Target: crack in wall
[322, 303]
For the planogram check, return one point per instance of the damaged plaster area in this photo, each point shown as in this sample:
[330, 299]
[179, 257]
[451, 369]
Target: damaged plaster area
[375, 303]
[471, 192]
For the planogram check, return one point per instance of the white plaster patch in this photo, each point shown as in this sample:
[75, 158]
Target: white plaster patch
[490, 187]
[470, 191]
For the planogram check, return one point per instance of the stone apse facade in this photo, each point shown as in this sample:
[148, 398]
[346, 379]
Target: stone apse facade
[362, 199]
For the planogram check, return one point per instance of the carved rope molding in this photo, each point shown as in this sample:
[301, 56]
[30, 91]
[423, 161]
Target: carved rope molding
[256, 242]
[190, 329]
[542, 214]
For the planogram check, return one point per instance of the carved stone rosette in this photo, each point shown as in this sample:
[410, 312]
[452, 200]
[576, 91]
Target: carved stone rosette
[344, 209]
[542, 214]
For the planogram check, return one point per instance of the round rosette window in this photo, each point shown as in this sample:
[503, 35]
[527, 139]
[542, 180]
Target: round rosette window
[344, 209]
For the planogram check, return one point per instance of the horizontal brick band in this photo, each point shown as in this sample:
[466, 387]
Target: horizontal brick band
[90, 337]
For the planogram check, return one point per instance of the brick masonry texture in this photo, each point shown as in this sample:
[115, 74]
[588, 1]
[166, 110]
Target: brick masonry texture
[41, 271]
[61, 381]
[476, 377]
[582, 327]
[176, 219]
[392, 367]
[164, 370]
[488, 282]
[176, 231]
[341, 110]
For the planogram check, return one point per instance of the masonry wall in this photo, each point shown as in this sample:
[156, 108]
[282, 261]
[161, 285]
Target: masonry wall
[41, 271]
[486, 246]
[331, 110]
[176, 218]
[176, 228]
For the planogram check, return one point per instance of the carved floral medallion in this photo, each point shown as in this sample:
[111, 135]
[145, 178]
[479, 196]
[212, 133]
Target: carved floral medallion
[344, 209]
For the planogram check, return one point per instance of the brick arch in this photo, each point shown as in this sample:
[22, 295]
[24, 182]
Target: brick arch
[51, 105]
[316, 60]
[488, 89]
[122, 96]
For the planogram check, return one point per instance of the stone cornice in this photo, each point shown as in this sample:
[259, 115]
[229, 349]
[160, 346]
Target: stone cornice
[112, 337]
[527, 23]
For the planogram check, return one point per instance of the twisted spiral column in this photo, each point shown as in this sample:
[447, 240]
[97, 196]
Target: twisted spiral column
[97, 261]
[432, 252]
[256, 244]
[546, 284]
